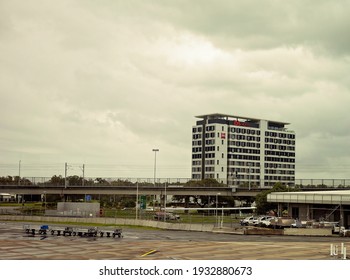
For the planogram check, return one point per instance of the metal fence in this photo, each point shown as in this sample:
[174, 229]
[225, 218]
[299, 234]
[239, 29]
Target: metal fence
[215, 218]
[323, 183]
[79, 181]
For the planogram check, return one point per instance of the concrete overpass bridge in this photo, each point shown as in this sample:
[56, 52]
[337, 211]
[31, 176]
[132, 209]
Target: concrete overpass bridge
[126, 190]
[41, 185]
[133, 190]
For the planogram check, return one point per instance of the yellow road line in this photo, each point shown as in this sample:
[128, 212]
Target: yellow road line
[149, 253]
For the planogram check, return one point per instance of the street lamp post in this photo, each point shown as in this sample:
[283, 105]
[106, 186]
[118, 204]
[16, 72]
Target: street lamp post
[154, 175]
[222, 217]
[165, 202]
[137, 199]
[45, 203]
[19, 173]
[216, 209]
[249, 176]
[155, 164]
[65, 174]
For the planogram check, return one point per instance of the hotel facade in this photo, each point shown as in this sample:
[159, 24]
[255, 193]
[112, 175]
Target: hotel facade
[243, 152]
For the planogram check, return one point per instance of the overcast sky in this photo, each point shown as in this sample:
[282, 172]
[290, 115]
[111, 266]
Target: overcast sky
[102, 83]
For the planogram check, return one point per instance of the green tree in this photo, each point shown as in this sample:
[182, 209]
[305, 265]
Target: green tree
[57, 180]
[75, 180]
[120, 182]
[204, 183]
[202, 200]
[7, 180]
[128, 203]
[262, 205]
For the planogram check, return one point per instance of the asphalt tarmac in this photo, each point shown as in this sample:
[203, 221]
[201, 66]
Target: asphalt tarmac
[156, 244]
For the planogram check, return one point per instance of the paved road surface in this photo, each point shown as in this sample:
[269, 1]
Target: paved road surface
[15, 244]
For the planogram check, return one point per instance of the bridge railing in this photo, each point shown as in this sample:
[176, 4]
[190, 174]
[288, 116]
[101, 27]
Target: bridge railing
[159, 182]
[322, 183]
[78, 181]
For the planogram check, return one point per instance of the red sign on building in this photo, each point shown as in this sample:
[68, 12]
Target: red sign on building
[238, 123]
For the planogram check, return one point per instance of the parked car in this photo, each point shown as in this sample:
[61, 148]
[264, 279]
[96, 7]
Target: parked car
[264, 221]
[249, 221]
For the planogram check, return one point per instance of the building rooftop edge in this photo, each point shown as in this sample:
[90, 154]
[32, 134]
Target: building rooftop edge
[311, 193]
[236, 116]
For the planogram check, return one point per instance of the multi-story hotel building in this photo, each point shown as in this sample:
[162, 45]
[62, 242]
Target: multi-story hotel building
[241, 151]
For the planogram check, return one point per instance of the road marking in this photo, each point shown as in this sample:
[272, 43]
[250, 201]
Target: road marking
[149, 253]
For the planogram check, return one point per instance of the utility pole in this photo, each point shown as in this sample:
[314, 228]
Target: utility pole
[222, 217]
[83, 169]
[19, 173]
[83, 174]
[249, 175]
[216, 210]
[155, 164]
[137, 199]
[155, 168]
[45, 203]
[165, 202]
[65, 174]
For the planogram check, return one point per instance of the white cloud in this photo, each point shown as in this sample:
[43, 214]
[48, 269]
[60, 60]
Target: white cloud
[104, 83]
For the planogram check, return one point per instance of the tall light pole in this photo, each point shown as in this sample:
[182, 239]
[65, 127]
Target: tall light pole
[249, 176]
[19, 173]
[154, 175]
[216, 209]
[165, 202]
[137, 199]
[83, 169]
[65, 174]
[45, 203]
[155, 164]
[222, 217]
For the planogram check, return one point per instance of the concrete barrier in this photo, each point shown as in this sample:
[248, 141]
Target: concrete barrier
[229, 230]
[109, 221]
[308, 231]
[263, 231]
